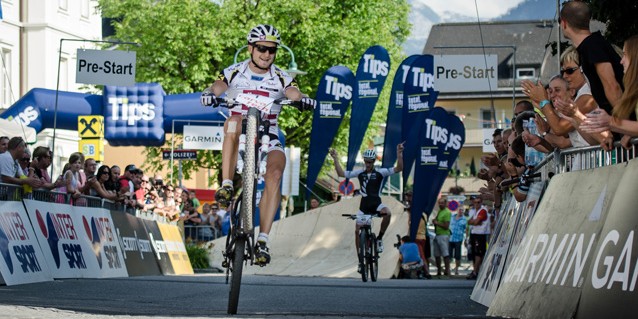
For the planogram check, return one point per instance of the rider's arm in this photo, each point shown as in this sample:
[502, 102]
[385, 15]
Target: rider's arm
[219, 87]
[293, 93]
[338, 168]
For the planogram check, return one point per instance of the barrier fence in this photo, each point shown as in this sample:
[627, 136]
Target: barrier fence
[566, 250]
[46, 235]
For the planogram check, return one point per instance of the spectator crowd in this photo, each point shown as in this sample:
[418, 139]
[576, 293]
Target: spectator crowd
[130, 189]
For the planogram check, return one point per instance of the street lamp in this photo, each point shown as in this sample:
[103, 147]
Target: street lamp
[292, 66]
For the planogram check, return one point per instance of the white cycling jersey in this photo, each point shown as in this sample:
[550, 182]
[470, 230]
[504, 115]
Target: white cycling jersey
[273, 84]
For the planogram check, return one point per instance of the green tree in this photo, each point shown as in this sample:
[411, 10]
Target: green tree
[186, 43]
[619, 17]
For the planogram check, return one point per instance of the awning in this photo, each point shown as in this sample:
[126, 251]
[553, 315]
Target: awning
[11, 129]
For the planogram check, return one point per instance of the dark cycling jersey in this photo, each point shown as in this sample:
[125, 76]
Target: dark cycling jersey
[370, 187]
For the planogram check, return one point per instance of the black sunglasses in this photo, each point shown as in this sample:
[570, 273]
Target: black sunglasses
[25, 160]
[569, 71]
[263, 48]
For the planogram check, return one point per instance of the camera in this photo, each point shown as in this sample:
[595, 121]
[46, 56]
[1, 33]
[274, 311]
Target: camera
[398, 243]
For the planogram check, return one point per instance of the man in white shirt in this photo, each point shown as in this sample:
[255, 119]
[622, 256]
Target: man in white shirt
[480, 230]
[10, 170]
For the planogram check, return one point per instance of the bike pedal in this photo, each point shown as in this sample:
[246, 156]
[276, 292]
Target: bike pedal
[225, 264]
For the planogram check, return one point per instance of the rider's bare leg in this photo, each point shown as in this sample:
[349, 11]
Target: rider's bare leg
[271, 197]
[232, 130]
[385, 221]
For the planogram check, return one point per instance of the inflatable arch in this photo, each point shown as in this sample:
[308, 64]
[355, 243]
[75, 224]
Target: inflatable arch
[139, 115]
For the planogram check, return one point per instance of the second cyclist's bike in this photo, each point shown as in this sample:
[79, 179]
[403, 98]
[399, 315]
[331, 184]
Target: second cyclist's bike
[367, 252]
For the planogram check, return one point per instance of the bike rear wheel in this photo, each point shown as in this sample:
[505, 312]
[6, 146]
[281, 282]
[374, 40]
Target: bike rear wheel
[373, 258]
[237, 267]
[363, 239]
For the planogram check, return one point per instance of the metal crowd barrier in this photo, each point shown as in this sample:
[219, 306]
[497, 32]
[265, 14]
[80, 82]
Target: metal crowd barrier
[10, 192]
[582, 158]
[197, 233]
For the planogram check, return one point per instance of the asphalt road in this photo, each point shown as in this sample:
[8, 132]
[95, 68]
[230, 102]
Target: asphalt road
[205, 295]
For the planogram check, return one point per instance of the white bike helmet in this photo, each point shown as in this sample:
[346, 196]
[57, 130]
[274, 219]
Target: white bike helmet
[264, 32]
[369, 154]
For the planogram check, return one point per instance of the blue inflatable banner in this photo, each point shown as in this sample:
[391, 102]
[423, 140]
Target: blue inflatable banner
[373, 69]
[333, 97]
[136, 115]
[439, 143]
[419, 97]
[395, 108]
[137, 106]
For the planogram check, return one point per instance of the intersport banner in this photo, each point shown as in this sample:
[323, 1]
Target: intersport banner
[22, 259]
[77, 242]
[335, 91]
[372, 72]
[440, 140]
[395, 109]
[419, 97]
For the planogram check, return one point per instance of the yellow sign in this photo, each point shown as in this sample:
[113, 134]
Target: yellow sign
[91, 126]
[176, 249]
[92, 148]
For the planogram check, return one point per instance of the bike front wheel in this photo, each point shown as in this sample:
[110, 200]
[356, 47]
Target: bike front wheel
[363, 239]
[373, 258]
[237, 267]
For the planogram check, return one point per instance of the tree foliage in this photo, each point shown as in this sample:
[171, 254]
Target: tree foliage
[186, 43]
[619, 17]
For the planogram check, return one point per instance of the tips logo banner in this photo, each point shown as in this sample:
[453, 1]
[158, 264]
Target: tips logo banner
[439, 143]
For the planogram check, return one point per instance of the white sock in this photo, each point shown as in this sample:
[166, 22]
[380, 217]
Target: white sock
[227, 182]
[263, 237]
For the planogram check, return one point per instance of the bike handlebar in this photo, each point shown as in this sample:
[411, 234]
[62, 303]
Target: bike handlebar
[530, 178]
[354, 216]
[231, 103]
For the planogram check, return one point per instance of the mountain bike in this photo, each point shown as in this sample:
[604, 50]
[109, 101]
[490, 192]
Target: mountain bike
[239, 248]
[367, 251]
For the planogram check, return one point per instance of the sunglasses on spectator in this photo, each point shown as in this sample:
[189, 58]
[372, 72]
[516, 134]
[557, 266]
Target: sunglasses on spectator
[263, 48]
[25, 160]
[569, 71]
[214, 208]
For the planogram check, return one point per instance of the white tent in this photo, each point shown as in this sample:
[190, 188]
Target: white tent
[11, 129]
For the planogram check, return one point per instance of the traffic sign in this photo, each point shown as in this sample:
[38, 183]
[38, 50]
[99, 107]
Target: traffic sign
[180, 154]
[453, 205]
[346, 189]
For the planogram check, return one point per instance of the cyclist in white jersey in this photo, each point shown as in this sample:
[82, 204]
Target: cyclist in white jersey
[371, 181]
[256, 75]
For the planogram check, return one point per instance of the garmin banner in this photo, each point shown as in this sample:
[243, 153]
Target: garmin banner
[372, 72]
[419, 97]
[333, 97]
[395, 109]
[442, 136]
[566, 250]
